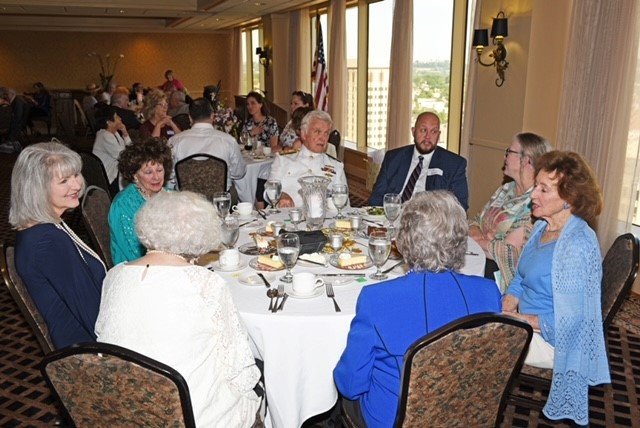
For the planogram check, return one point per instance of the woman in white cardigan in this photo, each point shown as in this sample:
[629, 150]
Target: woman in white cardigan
[110, 140]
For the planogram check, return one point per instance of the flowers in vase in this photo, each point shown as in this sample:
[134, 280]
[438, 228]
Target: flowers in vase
[108, 66]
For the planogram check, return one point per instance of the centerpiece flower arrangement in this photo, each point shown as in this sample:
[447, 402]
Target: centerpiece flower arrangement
[108, 66]
[225, 120]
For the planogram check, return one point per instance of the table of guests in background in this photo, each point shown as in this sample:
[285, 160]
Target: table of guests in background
[257, 167]
[301, 344]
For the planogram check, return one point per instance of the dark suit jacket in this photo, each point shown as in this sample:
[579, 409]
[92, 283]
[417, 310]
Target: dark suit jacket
[395, 168]
[128, 117]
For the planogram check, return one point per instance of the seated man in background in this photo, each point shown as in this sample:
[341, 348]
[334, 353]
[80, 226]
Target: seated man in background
[310, 160]
[120, 103]
[19, 116]
[177, 104]
[204, 138]
[424, 166]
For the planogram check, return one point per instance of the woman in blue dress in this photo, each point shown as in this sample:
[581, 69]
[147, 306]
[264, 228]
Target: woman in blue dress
[63, 275]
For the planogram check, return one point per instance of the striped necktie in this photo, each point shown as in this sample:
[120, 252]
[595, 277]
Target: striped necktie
[411, 184]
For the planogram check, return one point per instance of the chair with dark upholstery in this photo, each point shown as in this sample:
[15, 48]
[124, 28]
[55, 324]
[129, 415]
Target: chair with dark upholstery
[459, 374]
[335, 140]
[94, 173]
[619, 270]
[202, 173]
[95, 214]
[23, 299]
[101, 384]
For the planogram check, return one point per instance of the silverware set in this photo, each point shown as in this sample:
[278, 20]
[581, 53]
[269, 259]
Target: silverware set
[279, 295]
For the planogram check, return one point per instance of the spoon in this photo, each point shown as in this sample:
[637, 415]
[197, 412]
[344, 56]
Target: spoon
[271, 293]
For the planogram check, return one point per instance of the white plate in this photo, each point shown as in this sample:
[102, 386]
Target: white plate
[288, 288]
[254, 279]
[217, 266]
[263, 268]
[337, 281]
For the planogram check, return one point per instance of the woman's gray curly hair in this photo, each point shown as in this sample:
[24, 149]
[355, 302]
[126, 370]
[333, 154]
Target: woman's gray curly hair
[182, 223]
[433, 232]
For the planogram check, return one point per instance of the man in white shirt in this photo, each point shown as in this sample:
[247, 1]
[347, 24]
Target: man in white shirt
[310, 160]
[204, 138]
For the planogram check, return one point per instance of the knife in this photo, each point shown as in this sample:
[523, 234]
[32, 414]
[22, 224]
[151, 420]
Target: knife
[311, 261]
[284, 299]
[264, 280]
[343, 274]
[375, 223]
[262, 214]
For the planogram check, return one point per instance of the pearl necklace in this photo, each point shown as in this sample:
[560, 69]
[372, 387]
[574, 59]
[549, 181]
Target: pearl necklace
[170, 254]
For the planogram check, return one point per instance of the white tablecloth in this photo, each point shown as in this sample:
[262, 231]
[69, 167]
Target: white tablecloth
[246, 186]
[301, 344]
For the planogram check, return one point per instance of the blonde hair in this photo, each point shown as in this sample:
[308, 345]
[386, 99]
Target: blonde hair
[153, 98]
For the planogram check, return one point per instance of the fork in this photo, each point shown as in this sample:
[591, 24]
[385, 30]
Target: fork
[280, 294]
[332, 296]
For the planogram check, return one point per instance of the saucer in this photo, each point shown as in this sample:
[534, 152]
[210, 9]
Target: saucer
[288, 288]
[251, 216]
[217, 266]
[253, 279]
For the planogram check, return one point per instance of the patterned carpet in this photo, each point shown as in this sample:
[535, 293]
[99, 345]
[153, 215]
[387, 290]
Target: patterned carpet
[25, 400]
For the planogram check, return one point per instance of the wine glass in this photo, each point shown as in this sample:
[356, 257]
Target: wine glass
[244, 140]
[229, 231]
[273, 190]
[392, 205]
[295, 214]
[379, 250]
[340, 195]
[222, 202]
[288, 248]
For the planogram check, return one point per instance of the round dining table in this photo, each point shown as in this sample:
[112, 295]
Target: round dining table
[302, 343]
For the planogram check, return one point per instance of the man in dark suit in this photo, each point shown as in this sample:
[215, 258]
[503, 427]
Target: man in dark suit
[120, 102]
[423, 166]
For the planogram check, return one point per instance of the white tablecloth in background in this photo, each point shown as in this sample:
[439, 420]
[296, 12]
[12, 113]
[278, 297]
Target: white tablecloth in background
[246, 186]
[301, 345]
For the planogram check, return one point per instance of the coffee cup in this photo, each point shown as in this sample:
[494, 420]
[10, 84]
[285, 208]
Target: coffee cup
[243, 208]
[230, 258]
[266, 151]
[305, 283]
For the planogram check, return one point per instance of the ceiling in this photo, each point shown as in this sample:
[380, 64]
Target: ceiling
[138, 15]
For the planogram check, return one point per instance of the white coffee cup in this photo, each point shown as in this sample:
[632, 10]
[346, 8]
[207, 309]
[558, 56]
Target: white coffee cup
[243, 208]
[266, 151]
[229, 258]
[305, 283]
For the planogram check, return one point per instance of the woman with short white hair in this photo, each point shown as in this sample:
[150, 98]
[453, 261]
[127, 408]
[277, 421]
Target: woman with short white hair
[391, 315]
[180, 314]
[62, 274]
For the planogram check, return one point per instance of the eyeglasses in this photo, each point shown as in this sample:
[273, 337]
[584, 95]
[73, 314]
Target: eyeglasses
[506, 152]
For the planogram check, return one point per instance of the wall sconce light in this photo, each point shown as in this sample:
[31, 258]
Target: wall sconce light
[499, 30]
[264, 57]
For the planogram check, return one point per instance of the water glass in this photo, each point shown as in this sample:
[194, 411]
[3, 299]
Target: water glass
[222, 203]
[392, 205]
[229, 231]
[295, 214]
[273, 192]
[340, 196]
[288, 245]
[379, 250]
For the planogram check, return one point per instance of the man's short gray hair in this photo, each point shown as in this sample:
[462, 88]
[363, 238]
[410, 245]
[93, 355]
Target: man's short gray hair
[33, 172]
[315, 115]
[433, 232]
[120, 99]
[182, 223]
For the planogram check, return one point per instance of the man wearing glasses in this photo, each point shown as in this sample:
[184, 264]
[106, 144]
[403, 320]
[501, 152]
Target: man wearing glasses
[423, 166]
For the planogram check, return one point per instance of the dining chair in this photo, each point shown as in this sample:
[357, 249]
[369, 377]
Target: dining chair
[101, 384]
[23, 299]
[202, 173]
[95, 215]
[94, 173]
[619, 270]
[458, 375]
[335, 140]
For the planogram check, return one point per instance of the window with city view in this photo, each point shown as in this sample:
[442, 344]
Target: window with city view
[433, 24]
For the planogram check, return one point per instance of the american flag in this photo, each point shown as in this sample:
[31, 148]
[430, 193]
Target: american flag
[319, 75]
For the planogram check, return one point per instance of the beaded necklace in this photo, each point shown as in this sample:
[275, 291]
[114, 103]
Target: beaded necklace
[79, 243]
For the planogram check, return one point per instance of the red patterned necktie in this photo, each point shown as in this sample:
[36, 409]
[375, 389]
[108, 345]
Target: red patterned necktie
[411, 184]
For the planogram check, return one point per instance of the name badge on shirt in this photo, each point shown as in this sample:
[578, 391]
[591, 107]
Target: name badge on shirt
[434, 171]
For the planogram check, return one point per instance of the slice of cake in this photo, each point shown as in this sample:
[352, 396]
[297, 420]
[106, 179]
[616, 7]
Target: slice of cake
[313, 257]
[348, 260]
[261, 242]
[343, 224]
[273, 262]
[372, 229]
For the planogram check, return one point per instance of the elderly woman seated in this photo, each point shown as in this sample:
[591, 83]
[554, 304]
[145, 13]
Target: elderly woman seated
[557, 285]
[180, 314]
[391, 315]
